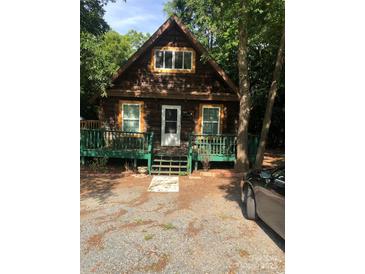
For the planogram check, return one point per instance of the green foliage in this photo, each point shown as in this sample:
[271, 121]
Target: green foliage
[168, 226]
[91, 16]
[136, 39]
[102, 52]
[99, 164]
[148, 237]
[100, 57]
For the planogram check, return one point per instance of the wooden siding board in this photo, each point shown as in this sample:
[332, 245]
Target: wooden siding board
[190, 113]
[140, 77]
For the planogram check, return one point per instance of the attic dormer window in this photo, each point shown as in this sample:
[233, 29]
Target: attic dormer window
[173, 60]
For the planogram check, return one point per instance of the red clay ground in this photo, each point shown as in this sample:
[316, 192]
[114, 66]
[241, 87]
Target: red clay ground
[201, 229]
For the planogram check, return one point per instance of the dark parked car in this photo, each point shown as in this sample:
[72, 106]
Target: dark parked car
[263, 196]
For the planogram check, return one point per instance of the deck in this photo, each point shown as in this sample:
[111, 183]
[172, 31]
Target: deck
[116, 144]
[218, 148]
[99, 142]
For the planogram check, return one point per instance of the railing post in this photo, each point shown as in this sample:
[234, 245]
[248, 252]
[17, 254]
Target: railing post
[190, 154]
[82, 139]
[150, 151]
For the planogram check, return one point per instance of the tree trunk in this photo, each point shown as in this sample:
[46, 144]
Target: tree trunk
[242, 163]
[270, 103]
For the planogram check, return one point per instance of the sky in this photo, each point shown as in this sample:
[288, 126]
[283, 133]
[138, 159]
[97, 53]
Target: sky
[140, 15]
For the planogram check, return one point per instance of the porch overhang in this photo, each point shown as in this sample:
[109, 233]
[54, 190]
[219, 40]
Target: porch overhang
[164, 94]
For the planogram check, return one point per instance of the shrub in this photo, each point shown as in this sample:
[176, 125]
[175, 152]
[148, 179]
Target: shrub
[99, 164]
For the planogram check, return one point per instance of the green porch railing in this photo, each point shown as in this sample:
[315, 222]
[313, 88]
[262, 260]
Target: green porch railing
[116, 144]
[217, 148]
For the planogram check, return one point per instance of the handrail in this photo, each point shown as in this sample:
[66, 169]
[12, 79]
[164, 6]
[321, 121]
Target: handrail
[220, 145]
[111, 139]
[213, 144]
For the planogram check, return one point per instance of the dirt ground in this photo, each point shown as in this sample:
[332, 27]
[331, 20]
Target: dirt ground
[200, 229]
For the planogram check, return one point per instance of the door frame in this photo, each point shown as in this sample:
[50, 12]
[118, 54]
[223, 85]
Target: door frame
[178, 123]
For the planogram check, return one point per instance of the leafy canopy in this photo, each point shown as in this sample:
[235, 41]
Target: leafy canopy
[102, 52]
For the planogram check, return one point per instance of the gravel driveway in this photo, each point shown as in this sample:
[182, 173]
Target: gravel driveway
[201, 229]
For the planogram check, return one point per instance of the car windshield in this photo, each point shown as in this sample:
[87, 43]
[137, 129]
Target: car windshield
[279, 174]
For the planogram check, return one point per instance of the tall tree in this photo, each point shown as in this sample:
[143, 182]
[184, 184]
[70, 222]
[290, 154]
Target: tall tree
[91, 16]
[270, 103]
[100, 57]
[242, 162]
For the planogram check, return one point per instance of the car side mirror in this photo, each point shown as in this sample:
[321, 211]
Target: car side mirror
[265, 174]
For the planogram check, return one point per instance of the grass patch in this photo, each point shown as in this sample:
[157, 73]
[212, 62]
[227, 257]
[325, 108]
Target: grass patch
[148, 237]
[138, 221]
[225, 217]
[168, 226]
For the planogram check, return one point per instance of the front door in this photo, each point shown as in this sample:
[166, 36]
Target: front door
[171, 125]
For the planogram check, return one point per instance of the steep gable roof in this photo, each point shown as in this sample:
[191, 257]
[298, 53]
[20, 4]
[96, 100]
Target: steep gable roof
[168, 23]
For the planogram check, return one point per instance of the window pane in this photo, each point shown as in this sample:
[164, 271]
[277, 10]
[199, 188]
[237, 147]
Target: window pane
[131, 125]
[178, 59]
[131, 111]
[187, 60]
[159, 58]
[207, 129]
[168, 59]
[170, 127]
[171, 115]
[210, 128]
[214, 128]
[211, 114]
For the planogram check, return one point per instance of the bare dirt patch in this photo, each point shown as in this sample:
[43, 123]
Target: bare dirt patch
[96, 266]
[157, 209]
[111, 217]
[233, 269]
[143, 198]
[200, 229]
[136, 224]
[243, 253]
[85, 212]
[192, 191]
[193, 230]
[158, 266]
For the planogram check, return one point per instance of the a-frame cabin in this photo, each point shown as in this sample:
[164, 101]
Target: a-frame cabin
[170, 100]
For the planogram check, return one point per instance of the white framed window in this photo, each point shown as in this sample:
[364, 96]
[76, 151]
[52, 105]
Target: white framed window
[210, 120]
[173, 59]
[131, 114]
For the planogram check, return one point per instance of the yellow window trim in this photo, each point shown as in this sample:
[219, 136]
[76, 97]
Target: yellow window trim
[199, 128]
[141, 113]
[173, 71]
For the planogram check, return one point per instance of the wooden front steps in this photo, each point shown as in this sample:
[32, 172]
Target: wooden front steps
[164, 164]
